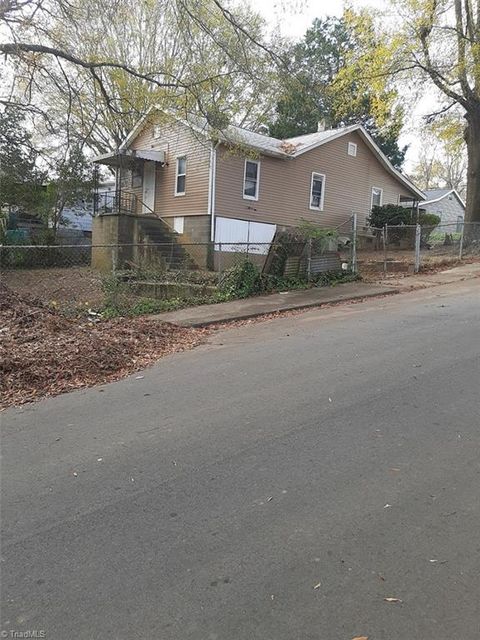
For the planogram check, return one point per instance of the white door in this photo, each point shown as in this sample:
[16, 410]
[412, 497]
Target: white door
[148, 187]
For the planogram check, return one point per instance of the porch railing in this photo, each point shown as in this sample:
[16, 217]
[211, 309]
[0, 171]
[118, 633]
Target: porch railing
[118, 202]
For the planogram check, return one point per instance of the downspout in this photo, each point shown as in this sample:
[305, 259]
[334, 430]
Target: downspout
[211, 188]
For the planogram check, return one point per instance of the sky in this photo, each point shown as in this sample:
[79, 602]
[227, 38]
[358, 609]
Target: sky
[293, 17]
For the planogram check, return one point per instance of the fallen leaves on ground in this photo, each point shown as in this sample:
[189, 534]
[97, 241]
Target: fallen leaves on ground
[43, 353]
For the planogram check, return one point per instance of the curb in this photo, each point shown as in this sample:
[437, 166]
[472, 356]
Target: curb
[307, 305]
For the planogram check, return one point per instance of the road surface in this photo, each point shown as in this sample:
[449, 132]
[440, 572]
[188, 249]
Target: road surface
[278, 483]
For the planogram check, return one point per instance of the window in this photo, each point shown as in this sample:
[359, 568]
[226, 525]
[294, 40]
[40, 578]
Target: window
[178, 224]
[317, 191]
[137, 176]
[181, 176]
[157, 131]
[377, 196]
[251, 179]
[352, 149]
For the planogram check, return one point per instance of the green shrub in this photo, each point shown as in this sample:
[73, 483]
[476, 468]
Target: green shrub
[391, 214]
[428, 222]
[241, 280]
[321, 237]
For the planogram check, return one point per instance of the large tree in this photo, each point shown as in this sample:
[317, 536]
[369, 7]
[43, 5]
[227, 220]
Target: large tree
[316, 89]
[435, 42]
[91, 67]
[442, 158]
[20, 177]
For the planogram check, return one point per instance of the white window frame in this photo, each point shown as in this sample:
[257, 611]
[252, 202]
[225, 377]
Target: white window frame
[157, 131]
[179, 224]
[381, 197]
[324, 181]
[352, 149]
[257, 190]
[178, 175]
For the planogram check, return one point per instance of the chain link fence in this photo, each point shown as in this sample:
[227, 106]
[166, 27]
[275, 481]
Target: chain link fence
[158, 276]
[403, 249]
[148, 277]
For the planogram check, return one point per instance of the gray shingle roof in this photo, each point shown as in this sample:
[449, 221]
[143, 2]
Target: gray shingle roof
[433, 194]
[284, 148]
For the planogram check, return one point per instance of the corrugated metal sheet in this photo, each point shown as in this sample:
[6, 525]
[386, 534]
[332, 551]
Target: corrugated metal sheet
[297, 265]
[327, 262]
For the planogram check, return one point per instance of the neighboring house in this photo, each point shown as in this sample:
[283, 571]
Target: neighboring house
[243, 186]
[79, 216]
[447, 204]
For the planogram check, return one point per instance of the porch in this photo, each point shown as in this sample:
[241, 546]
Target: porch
[135, 182]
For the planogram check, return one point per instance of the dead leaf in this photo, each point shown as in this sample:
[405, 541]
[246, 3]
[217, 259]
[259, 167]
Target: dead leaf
[392, 600]
[47, 353]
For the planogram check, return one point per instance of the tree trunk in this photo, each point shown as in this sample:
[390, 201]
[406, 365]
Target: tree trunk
[472, 138]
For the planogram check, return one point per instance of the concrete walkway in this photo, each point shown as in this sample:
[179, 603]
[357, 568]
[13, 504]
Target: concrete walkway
[421, 280]
[302, 299]
[259, 305]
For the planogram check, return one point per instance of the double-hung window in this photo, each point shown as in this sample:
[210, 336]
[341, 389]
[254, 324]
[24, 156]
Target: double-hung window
[181, 175]
[251, 179]
[317, 191]
[377, 197]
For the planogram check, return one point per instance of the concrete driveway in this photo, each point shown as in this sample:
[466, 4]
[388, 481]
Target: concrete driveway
[278, 483]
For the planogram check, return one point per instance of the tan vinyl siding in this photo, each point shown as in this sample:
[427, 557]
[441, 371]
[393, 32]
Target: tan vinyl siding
[178, 140]
[284, 190]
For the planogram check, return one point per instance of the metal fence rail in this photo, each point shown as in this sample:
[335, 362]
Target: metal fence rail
[403, 249]
[72, 276]
[85, 275]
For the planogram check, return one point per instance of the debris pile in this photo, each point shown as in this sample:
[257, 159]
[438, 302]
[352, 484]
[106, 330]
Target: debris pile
[44, 353]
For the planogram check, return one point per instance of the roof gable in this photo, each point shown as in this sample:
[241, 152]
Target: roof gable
[436, 195]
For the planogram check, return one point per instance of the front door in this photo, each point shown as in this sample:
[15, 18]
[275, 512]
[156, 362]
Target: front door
[148, 187]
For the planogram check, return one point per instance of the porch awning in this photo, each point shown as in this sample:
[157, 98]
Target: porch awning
[128, 158]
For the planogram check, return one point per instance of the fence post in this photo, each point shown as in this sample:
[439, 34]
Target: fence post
[309, 259]
[460, 249]
[418, 235]
[219, 258]
[114, 260]
[385, 247]
[354, 243]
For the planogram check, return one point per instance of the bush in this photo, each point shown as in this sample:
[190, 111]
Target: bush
[241, 280]
[392, 214]
[322, 237]
[428, 222]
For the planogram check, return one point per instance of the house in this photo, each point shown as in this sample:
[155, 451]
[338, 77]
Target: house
[242, 186]
[77, 217]
[447, 204]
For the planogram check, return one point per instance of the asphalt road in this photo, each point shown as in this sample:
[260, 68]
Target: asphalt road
[279, 483]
